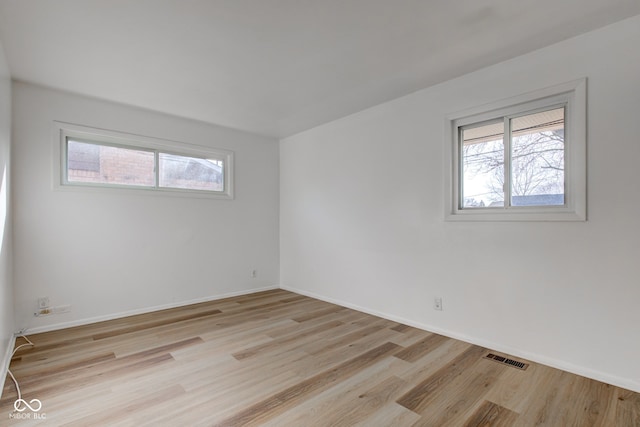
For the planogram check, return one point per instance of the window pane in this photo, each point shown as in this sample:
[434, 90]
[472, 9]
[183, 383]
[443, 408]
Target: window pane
[483, 165]
[537, 165]
[102, 164]
[191, 173]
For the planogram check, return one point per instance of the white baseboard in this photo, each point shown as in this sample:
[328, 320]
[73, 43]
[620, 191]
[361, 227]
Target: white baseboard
[87, 321]
[6, 360]
[534, 357]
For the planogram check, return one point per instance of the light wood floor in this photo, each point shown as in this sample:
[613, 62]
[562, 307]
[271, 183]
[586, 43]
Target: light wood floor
[280, 359]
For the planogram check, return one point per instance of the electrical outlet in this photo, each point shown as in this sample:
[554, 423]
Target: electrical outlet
[43, 303]
[437, 303]
[254, 274]
[59, 309]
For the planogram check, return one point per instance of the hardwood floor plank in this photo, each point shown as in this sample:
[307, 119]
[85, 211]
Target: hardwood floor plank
[389, 415]
[62, 368]
[491, 415]
[167, 348]
[458, 399]
[81, 376]
[347, 401]
[422, 347]
[417, 399]
[431, 362]
[514, 385]
[153, 324]
[261, 296]
[276, 344]
[592, 401]
[318, 313]
[331, 358]
[299, 362]
[109, 416]
[377, 397]
[546, 404]
[251, 392]
[290, 396]
[410, 337]
[33, 353]
[401, 328]
[344, 340]
[627, 408]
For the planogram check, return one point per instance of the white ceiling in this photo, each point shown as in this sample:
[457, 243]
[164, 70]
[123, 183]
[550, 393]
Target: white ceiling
[276, 67]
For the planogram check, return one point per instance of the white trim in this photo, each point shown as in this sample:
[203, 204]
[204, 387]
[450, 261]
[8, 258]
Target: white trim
[6, 360]
[90, 320]
[574, 95]
[626, 383]
[62, 130]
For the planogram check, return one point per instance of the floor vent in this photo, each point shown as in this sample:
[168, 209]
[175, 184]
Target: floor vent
[506, 361]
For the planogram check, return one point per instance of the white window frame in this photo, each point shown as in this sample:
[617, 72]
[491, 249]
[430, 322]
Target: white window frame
[572, 96]
[63, 131]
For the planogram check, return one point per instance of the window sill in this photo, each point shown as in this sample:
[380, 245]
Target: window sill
[510, 215]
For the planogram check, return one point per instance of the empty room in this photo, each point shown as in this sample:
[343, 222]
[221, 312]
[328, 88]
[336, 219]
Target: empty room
[320, 213]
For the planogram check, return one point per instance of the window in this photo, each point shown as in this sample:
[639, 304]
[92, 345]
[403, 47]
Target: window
[96, 159]
[524, 169]
[191, 173]
[520, 159]
[92, 163]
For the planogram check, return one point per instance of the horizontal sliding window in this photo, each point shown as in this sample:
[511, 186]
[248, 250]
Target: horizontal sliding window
[523, 166]
[191, 173]
[522, 159]
[112, 160]
[92, 163]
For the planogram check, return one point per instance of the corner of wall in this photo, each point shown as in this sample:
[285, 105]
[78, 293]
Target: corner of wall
[7, 320]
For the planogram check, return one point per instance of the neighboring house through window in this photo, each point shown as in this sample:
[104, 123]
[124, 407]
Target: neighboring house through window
[104, 159]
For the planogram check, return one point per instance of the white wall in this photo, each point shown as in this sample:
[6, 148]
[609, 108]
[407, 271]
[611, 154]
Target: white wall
[122, 252]
[362, 219]
[6, 285]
